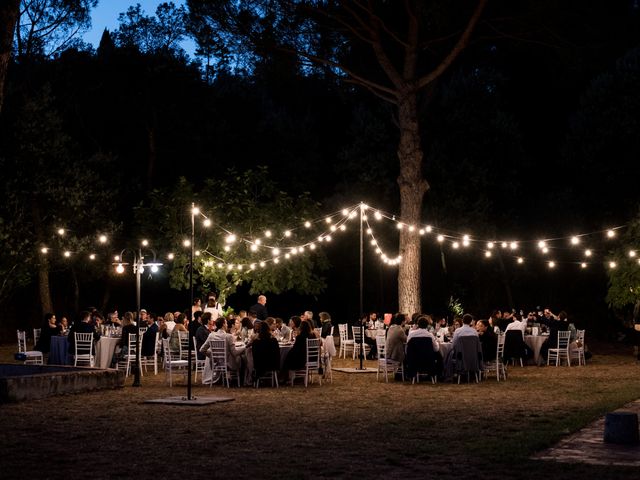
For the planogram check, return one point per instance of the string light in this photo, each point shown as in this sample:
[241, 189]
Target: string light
[92, 256]
[487, 254]
[613, 264]
[267, 234]
[206, 223]
[145, 243]
[171, 256]
[429, 228]
[287, 233]
[520, 260]
[440, 238]
[513, 245]
[186, 243]
[632, 253]
[231, 238]
[490, 245]
[455, 245]
[44, 250]
[307, 224]
[583, 264]
[542, 244]
[61, 232]
[102, 238]
[120, 268]
[587, 253]
[575, 240]
[195, 211]
[611, 233]
[552, 264]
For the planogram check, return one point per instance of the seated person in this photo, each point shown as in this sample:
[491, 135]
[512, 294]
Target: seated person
[517, 323]
[127, 327]
[423, 332]
[488, 340]
[174, 338]
[465, 330]
[396, 338]
[235, 357]
[266, 352]
[282, 330]
[82, 326]
[149, 338]
[49, 329]
[296, 359]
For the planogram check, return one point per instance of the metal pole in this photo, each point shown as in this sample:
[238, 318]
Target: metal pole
[189, 349]
[136, 370]
[361, 283]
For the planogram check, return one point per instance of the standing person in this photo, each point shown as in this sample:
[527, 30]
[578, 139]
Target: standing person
[205, 328]
[260, 308]
[49, 329]
[197, 306]
[213, 306]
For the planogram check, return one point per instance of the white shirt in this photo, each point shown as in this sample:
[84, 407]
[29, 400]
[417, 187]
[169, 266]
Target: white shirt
[216, 311]
[424, 333]
[517, 325]
[465, 331]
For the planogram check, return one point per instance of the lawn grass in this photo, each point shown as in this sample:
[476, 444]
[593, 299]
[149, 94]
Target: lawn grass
[354, 427]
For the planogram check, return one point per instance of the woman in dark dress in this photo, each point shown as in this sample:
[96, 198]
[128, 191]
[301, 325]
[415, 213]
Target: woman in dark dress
[296, 359]
[49, 329]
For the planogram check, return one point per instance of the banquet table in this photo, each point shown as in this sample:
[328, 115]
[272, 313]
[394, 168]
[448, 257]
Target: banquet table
[105, 348]
[445, 348]
[534, 342]
[374, 332]
[285, 348]
[59, 353]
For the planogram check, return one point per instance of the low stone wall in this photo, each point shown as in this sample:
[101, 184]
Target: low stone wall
[28, 382]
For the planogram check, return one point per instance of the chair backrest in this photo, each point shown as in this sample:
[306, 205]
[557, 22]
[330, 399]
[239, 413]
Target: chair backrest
[468, 354]
[500, 348]
[218, 354]
[580, 337]
[132, 345]
[563, 339]
[332, 329]
[184, 343]
[381, 346]
[420, 355]
[313, 352]
[83, 343]
[36, 335]
[514, 344]
[318, 332]
[344, 333]
[22, 341]
[357, 333]
[141, 330]
[166, 349]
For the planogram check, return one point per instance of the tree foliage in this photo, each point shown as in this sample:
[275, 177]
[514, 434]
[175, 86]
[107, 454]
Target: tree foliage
[624, 279]
[246, 204]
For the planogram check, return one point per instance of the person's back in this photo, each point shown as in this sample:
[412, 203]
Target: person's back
[266, 355]
[394, 346]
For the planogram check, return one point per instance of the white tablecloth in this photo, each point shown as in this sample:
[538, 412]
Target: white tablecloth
[105, 348]
[534, 342]
[374, 332]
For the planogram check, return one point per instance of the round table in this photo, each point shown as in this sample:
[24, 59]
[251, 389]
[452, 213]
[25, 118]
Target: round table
[105, 348]
[534, 342]
[59, 352]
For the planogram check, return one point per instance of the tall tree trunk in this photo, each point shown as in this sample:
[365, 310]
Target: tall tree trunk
[412, 189]
[44, 289]
[9, 12]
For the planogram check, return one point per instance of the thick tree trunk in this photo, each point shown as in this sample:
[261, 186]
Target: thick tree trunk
[44, 289]
[412, 189]
[9, 12]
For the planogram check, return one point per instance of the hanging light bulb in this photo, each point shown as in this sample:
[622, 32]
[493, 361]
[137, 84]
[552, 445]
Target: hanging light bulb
[252, 266]
[333, 228]
[345, 212]
[575, 240]
[67, 253]
[287, 256]
[44, 250]
[399, 226]
[490, 245]
[195, 211]
[120, 268]
[343, 228]
[412, 228]
[171, 256]
[583, 265]
[613, 264]
[253, 248]
[102, 239]
[440, 238]
[267, 234]
[632, 253]
[369, 231]
[487, 254]
[312, 246]
[421, 231]
[373, 242]
[545, 250]
[262, 264]
[231, 238]
[186, 243]
[328, 220]
[206, 222]
[328, 238]
[227, 248]
[307, 224]
[287, 233]
[429, 228]
[197, 253]
[92, 256]
[504, 244]
[520, 260]
[275, 251]
[116, 258]
[552, 264]
[154, 268]
[455, 245]
[276, 260]
[61, 231]
[587, 253]
[513, 245]
[258, 241]
[145, 243]
[542, 244]
[378, 215]
[611, 233]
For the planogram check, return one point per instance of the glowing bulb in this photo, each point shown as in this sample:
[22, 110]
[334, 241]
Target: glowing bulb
[227, 248]
[92, 256]
[171, 256]
[378, 216]
[611, 233]
[262, 264]
[440, 238]
[206, 222]
[61, 231]
[374, 243]
[287, 233]
[253, 248]
[321, 238]
[44, 250]
[343, 228]
[120, 268]
[429, 228]
[399, 226]
[328, 238]
[542, 244]
[230, 266]
[145, 243]
[67, 254]
[154, 268]
[141, 270]
[116, 258]
[312, 246]
[365, 218]
[252, 266]
[487, 254]
[240, 267]
[587, 253]
[411, 228]
[328, 219]
[369, 231]
[632, 253]
[545, 250]
[258, 241]
[345, 212]
[267, 234]
[102, 239]
[613, 264]
[230, 238]
[287, 256]
[520, 260]
[552, 264]
[490, 245]
[195, 211]
[275, 251]
[353, 214]
[301, 248]
[575, 240]
[276, 260]
[186, 243]
[294, 251]
[455, 245]
[333, 228]
[197, 253]
[504, 244]
[513, 245]
[421, 231]
[307, 224]
[465, 237]
[583, 265]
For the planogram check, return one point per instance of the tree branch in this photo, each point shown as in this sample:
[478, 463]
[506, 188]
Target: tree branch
[457, 49]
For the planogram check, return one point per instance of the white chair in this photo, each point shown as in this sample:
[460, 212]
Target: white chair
[385, 365]
[151, 360]
[345, 343]
[358, 341]
[171, 365]
[219, 365]
[498, 363]
[578, 351]
[31, 357]
[83, 349]
[328, 352]
[126, 360]
[562, 349]
[199, 364]
[36, 336]
[184, 345]
[312, 365]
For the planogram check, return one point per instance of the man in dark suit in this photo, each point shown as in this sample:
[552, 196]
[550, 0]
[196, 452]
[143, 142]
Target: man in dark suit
[260, 308]
[149, 338]
[488, 340]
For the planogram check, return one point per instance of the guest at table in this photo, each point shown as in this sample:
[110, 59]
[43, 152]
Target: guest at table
[554, 324]
[488, 340]
[246, 326]
[128, 326]
[234, 355]
[465, 330]
[284, 332]
[265, 351]
[296, 359]
[49, 329]
[148, 348]
[174, 338]
[308, 316]
[63, 325]
[364, 325]
[205, 328]
[423, 332]
[113, 320]
[195, 323]
[167, 325]
[82, 326]
[396, 338]
[517, 323]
